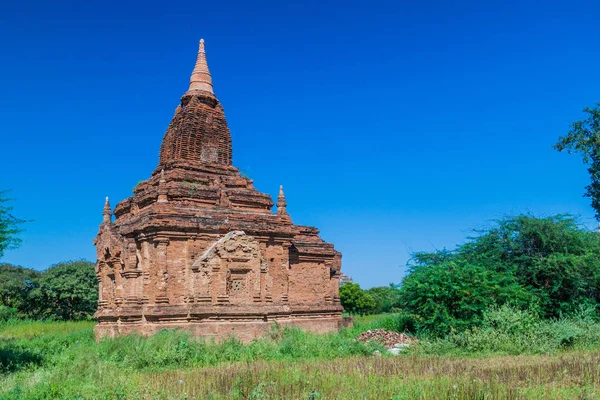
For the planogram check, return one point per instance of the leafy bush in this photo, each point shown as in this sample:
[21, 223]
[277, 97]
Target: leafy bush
[400, 323]
[554, 258]
[68, 291]
[452, 296]
[65, 291]
[510, 330]
[16, 285]
[355, 300]
[551, 264]
[14, 358]
[387, 298]
[7, 313]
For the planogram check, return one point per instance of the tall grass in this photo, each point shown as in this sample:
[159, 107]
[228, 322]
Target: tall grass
[171, 348]
[62, 360]
[510, 331]
[567, 376]
[23, 329]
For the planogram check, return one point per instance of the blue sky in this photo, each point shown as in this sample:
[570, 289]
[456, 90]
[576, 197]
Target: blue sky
[393, 126]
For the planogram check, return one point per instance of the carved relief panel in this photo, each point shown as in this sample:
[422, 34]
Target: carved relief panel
[230, 271]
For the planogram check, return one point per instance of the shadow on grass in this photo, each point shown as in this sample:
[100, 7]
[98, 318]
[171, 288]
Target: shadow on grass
[14, 358]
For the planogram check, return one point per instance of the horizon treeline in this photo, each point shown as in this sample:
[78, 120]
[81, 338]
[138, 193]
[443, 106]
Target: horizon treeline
[65, 291]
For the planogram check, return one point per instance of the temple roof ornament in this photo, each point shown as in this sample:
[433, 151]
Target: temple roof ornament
[201, 79]
[281, 203]
[106, 213]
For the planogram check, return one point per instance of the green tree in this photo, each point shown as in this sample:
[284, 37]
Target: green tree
[16, 285]
[355, 300]
[553, 258]
[387, 298]
[9, 226]
[68, 290]
[453, 295]
[584, 139]
[551, 262]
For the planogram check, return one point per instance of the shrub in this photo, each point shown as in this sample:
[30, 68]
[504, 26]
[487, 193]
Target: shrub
[400, 323]
[387, 298]
[553, 258]
[453, 295]
[510, 330]
[551, 263]
[355, 300]
[7, 313]
[16, 285]
[68, 291]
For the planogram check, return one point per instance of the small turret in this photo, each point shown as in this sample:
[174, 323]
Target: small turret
[281, 204]
[107, 213]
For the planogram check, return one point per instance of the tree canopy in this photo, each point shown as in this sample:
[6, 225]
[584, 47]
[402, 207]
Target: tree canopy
[16, 285]
[9, 226]
[355, 300]
[65, 291]
[584, 139]
[551, 265]
[69, 290]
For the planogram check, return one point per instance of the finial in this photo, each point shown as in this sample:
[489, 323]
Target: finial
[281, 203]
[106, 214]
[201, 79]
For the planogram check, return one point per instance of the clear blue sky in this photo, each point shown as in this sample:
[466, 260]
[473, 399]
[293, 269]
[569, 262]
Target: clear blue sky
[394, 127]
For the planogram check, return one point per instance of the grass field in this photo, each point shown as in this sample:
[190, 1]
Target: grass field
[61, 360]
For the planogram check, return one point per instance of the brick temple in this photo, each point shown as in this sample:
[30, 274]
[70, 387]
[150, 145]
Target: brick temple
[198, 247]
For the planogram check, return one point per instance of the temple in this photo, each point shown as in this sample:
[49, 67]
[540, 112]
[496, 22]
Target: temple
[198, 247]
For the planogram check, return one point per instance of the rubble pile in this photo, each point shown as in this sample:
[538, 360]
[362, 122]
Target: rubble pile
[388, 338]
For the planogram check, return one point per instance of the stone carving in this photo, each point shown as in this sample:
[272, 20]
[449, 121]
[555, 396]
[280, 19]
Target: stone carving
[198, 247]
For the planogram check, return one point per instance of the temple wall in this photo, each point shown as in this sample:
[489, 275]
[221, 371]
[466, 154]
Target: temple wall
[176, 270]
[163, 272]
[221, 330]
[277, 263]
[309, 283]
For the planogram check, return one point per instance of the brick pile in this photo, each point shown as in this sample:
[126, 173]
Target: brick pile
[387, 338]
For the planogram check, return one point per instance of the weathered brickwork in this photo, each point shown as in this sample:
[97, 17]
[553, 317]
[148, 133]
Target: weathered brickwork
[198, 247]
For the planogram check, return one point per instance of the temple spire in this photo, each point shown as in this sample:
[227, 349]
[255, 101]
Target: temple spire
[201, 79]
[106, 214]
[281, 204]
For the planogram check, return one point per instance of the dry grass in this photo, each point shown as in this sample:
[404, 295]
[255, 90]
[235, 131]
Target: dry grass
[568, 376]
